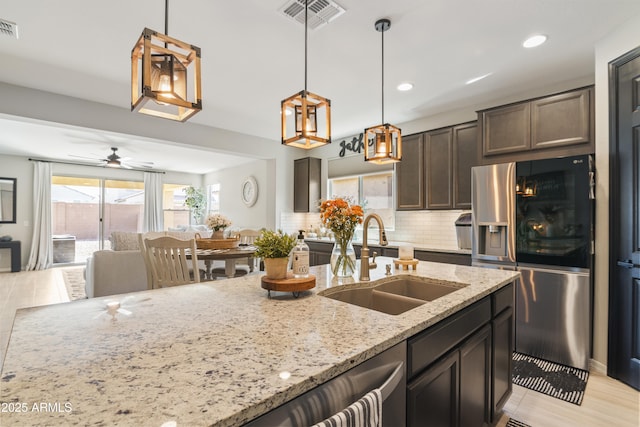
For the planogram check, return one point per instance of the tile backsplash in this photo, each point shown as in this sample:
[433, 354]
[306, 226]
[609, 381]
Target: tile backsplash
[428, 229]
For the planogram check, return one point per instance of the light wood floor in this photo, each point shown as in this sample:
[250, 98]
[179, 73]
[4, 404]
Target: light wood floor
[607, 402]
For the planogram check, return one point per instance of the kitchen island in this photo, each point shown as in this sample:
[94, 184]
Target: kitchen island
[212, 353]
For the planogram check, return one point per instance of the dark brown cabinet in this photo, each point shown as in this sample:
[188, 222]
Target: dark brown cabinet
[438, 163]
[409, 174]
[436, 171]
[319, 252]
[465, 156]
[459, 370]
[307, 184]
[551, 126]
[444, 257]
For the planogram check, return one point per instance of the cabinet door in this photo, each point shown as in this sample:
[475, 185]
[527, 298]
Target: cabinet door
[475, 379]
[561, 120]
[438, 154]
[409, 177]
[306, 184]
[465, 156]
[506, 129]
[432, 398]
[323, 258]
[503, 346]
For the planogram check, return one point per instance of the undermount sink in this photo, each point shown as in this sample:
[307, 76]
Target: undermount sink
[395, 296]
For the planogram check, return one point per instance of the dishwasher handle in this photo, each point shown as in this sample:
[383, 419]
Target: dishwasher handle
[392, 382]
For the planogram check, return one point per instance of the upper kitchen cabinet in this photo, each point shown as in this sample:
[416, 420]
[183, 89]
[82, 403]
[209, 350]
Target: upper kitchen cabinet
[435, 171]
[438, 162]
[307, 184]
[551, 126]
[409, 174]
[465, 156]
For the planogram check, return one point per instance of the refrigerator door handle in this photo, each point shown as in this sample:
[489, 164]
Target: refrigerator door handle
[626, 264]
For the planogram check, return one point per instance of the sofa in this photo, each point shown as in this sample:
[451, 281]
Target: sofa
[121, 269]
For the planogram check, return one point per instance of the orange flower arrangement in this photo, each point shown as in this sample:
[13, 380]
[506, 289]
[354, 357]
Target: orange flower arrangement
[341, 217]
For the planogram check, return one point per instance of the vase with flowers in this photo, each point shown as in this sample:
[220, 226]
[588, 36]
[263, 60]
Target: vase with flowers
[341, 217]
[218, 223]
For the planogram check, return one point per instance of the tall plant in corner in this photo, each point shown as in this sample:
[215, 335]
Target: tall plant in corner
[196, 202]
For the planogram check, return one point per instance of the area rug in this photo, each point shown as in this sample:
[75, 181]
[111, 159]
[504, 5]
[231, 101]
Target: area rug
[74, 282]
[553, 379]
[516, 423]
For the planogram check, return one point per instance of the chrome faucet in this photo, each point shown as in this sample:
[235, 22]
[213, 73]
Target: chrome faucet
[365, 266]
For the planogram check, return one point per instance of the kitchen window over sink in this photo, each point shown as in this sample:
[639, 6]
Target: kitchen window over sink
[374, 192]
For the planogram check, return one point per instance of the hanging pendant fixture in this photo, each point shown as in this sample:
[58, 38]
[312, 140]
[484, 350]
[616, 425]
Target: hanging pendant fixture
[305, 116]
[383, 143]
[163, 71]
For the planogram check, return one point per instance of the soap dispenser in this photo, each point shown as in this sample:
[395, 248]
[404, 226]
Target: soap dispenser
[300, 258]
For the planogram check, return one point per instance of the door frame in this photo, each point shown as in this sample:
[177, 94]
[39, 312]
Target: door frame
[614, 200]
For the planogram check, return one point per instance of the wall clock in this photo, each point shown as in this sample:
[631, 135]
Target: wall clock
[249, 191]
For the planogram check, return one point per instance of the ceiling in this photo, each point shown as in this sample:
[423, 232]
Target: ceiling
[253, 57]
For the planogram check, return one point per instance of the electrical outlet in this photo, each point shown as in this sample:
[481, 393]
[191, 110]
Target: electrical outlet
[26, 223]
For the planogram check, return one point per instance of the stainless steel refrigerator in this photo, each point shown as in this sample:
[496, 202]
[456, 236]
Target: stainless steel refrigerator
[536, 217]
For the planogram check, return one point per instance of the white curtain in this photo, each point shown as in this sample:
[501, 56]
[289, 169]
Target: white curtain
[153, 215]
[41, 256]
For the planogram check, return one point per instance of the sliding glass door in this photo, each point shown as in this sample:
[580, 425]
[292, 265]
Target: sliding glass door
[86, 210]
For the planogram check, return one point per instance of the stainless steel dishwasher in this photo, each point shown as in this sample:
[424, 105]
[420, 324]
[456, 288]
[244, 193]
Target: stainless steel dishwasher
[386, 371]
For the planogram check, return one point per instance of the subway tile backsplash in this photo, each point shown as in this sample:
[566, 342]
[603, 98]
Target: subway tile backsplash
[428, 229]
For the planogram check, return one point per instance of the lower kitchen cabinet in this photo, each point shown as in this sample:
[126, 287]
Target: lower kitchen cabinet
[502, 363]
[319, 253]
[459, 370]
[432, 398]
[444, 257]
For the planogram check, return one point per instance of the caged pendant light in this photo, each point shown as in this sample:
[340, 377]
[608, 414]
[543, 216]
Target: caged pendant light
[383, 143]
[305, 116]
[163, 71]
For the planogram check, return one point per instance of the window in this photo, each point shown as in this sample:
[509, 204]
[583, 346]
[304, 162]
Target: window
[374, 192]
[175, 212]
[213, 199]
[85, 210]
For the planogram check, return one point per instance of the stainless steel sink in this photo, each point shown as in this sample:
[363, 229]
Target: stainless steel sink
[394, 296]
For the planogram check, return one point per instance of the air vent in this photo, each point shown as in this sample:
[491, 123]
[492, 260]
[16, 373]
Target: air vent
[8, 28]
[321, 12]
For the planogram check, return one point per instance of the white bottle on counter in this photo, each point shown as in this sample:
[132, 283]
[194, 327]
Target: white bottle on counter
[300, 258]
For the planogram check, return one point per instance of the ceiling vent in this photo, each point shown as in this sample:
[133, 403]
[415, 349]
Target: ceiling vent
[320, 13]
[8, 28]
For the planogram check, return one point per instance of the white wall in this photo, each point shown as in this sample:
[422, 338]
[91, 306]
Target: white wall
[614, 45]
[22, 169]
[262, 213]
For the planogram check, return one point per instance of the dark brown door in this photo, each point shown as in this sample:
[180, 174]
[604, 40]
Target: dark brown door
[624, 237]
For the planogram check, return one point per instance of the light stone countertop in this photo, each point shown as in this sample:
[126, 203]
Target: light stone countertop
[204, 354]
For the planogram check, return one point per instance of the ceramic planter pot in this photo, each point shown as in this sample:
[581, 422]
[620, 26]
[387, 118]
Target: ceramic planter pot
[276, 268]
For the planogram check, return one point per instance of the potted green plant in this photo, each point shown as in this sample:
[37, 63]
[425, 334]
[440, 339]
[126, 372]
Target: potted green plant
[195, 201]
[274, 248]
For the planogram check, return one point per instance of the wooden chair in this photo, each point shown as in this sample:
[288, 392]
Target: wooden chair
[168, 261]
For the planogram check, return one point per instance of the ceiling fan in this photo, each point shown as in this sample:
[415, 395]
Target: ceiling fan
[113, 160]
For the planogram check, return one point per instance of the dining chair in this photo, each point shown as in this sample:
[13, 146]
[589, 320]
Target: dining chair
[171, 261]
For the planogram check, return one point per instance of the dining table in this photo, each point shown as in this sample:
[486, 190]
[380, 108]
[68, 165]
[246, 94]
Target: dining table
[228, 255]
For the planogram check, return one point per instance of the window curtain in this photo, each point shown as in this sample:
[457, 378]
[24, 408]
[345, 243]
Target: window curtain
[153, 214]
[41, 256]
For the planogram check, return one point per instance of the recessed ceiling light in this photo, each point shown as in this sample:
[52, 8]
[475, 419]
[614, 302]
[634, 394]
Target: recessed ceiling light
[403, 87]
[534, 41]
[476, 79]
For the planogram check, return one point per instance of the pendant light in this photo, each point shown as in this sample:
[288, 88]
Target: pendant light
[163, 70]
[383, 143]
[305, 116]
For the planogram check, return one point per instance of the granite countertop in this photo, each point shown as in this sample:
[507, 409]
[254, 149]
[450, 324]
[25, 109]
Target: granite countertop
[396, 244]
[213, 353]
